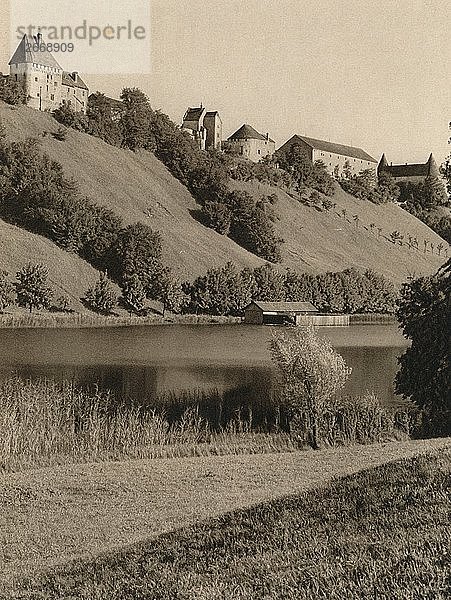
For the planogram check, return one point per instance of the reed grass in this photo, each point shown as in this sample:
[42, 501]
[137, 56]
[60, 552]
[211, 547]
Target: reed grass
[43, 423]
[52, 320]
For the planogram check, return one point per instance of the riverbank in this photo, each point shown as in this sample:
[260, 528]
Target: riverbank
[50, 320]
[76, 513]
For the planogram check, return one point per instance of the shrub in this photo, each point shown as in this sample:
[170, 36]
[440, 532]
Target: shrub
[12, 92]
[310, 372]
[69, 118]
[7, 291]
[133, 294]
[101, 297]
[31, 287]
[61, 134]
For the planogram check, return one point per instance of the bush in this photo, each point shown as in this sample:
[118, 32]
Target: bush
[31, 287]
[310, 372]
[11, 92]
[101, 297]
[7, 291]
[69, 118]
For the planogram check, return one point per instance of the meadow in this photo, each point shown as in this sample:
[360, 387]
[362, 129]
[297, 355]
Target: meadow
[380, 533]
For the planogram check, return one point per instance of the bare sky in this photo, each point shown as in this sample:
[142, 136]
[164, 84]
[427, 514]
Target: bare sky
[371, 73]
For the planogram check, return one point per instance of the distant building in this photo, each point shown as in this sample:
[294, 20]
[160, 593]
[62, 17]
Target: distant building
[47, 86]
[334, 156]
[413, 173]
[262, 313]
[251, 144]
[205, 127]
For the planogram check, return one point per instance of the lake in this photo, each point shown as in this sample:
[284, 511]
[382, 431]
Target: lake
[141, 362]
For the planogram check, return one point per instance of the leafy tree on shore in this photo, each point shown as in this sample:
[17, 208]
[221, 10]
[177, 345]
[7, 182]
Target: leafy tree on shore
[423, 311]
[31, 287]
[7, 291]
[310, 373]
[101, 297]
[133, 294]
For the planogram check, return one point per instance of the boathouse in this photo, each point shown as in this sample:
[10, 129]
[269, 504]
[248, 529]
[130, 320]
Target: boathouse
[277, 313]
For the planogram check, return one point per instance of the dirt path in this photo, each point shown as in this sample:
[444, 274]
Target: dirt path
[49, 516]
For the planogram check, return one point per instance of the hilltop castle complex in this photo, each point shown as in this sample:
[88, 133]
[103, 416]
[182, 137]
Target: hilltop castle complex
[47, 86]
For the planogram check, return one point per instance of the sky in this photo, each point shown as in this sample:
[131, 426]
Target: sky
[373, 74]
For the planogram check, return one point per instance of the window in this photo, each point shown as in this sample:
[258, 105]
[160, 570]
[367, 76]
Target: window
[35, 78]
[52, 97]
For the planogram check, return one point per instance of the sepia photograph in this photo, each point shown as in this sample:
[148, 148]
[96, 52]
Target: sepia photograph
[225, 312]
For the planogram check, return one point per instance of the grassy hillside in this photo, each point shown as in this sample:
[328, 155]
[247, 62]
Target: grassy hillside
[139, 188]
[69, 275]
[380, 533]
[319, 241]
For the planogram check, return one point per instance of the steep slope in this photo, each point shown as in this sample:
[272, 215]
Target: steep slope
[318, 241]
[69, 275]
[138, 187]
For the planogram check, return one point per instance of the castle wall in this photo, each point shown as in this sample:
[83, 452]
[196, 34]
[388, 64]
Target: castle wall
[42, 84]
[335, 163]
[252, 149]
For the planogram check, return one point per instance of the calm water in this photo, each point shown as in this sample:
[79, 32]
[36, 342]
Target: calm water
[140, 362]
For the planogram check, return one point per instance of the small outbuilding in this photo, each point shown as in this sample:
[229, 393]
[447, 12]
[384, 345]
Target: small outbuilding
[278, 313]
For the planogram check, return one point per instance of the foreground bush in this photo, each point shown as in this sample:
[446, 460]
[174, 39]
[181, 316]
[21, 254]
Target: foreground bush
[382, 533]
[310, 373]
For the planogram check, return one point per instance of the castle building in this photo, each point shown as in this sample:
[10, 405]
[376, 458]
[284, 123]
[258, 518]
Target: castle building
[413, 173]
[204, 127]
[334, 156]
[250, 144]
[47, 85]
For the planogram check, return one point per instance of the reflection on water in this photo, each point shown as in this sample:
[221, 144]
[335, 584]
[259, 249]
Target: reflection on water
[141, 363]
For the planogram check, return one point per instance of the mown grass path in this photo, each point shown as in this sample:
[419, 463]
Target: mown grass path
[50, 516]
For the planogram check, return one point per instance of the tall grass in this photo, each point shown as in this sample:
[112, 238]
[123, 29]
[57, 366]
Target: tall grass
[43, 423]
[60, 319]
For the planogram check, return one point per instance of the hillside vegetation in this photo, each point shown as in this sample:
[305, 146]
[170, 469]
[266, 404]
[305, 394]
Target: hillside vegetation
[69, 275]
[137, 187]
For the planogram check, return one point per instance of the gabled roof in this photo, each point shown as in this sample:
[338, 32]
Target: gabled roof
[285, 306]
[25, 53]
[333, 148]
[194, 114]
[73, 80]
[247, 132]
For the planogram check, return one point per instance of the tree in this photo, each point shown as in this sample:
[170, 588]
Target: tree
[137, 251]
[31, 287]
[101, 297]
[310, 372]
[423, 377]
[135, 120]
[133, 294]
[171, 294]
[7, 291]
[11, 92]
